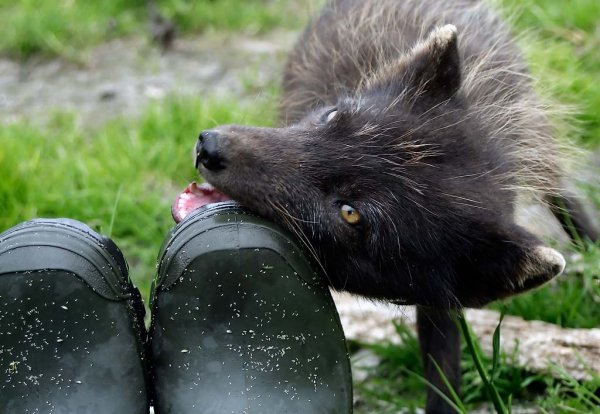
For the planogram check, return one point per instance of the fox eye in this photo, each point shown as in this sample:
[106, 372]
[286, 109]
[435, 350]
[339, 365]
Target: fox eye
[350, 214]
[328, 117]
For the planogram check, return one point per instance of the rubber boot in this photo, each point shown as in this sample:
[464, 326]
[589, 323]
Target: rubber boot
[71, 323]
[241, 323]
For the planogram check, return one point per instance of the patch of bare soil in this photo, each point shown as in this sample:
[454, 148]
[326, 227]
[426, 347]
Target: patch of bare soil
[121, 77]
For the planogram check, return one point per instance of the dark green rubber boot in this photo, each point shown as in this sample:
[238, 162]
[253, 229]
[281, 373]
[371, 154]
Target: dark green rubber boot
[242, 324]
[71, 323]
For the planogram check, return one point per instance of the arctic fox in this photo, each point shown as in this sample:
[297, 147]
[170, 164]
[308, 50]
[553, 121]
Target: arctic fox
[409, 130]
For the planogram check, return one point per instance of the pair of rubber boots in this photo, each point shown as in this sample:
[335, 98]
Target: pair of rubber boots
[240, 323]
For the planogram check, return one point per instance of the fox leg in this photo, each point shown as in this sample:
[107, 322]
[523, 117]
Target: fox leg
[439, 339]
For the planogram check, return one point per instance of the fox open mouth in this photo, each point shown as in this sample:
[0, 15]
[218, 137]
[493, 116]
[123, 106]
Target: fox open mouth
[193, 197]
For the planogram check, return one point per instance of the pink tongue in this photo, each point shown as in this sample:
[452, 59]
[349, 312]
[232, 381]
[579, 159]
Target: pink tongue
[195, 196]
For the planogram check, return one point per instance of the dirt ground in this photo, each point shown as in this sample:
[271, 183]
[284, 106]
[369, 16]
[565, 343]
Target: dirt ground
[119, 78]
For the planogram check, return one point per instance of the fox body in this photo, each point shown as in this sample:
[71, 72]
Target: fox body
[409, 130]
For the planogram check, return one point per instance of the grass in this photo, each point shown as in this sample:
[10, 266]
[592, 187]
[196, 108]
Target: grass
[122, 177]
[564, 54]
[396, 384]
[63, 28]
[68, 27]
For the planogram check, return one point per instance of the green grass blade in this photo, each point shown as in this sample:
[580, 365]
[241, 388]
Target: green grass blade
[475, 354]
[584, 395]
[455, 407]
[449, 387]
[114, 211]
[496, 348]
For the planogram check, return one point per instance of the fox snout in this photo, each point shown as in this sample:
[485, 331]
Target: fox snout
[208, 151]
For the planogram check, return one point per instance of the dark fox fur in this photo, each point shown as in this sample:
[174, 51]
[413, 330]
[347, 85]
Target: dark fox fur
[418, 119]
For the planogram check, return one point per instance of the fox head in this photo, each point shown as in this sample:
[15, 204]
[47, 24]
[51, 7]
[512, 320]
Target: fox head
[391, 189]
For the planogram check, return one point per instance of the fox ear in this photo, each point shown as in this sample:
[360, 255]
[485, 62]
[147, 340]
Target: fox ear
[430, 69]
[506, 263]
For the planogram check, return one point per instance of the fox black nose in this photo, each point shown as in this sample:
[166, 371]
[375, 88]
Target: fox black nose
[208, 153]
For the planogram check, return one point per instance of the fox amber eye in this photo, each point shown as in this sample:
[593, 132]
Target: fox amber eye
[350, 214]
